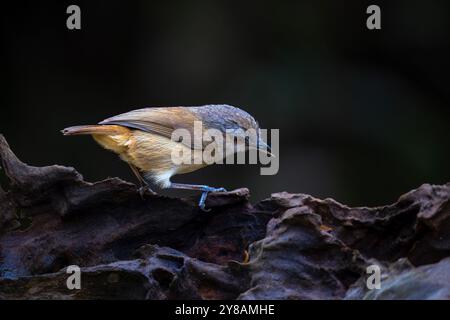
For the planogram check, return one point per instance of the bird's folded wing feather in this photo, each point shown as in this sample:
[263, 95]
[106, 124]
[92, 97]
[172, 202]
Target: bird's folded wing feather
[162, 121]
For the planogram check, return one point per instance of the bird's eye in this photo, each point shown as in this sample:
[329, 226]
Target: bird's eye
[247, 140]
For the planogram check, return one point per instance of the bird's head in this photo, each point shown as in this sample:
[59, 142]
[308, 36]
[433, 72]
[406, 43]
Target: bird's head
[248, 130]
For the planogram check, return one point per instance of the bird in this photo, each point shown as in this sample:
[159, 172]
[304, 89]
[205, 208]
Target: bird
[143, 138]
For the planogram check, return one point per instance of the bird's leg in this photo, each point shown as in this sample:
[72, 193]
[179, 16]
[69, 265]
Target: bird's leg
[144, 185]
[198, 187]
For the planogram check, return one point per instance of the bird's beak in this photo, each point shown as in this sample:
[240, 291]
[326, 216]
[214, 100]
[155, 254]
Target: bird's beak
[265, 148]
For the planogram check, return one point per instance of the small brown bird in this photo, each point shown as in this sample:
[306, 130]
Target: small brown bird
[143, 138]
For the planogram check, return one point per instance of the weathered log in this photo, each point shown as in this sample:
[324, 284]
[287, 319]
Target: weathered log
[157, 247]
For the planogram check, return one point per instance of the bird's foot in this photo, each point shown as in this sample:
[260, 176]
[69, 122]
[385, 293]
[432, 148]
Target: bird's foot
[205, 190]
[145, 189]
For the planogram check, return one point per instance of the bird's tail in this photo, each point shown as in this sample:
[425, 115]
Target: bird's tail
[94, 129]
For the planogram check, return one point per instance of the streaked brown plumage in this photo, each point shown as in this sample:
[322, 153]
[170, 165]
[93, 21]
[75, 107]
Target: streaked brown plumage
[142, 138]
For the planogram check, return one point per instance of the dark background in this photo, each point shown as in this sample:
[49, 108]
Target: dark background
[363, 115]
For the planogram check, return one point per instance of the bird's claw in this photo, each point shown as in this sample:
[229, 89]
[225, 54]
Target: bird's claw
[205, 191]
[212, 189]
[142, 190]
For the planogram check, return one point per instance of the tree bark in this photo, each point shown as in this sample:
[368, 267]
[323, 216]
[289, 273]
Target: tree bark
[289, 246]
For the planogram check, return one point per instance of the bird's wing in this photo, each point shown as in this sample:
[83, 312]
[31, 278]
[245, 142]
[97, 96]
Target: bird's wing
[162, 121]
